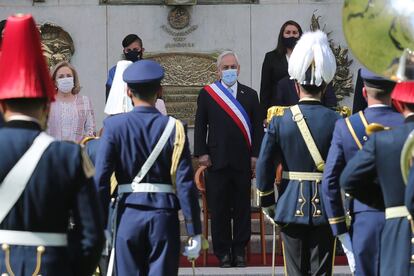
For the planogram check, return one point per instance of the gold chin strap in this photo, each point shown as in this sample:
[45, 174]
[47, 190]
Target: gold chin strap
[178, 149]
[6, 248]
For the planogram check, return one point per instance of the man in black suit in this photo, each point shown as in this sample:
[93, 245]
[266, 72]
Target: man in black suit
[227, 137]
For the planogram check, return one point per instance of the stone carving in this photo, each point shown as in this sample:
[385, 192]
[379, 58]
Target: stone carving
[179, 18]
[179, 28]
[185, 75]
[57, 44]
[342, 82]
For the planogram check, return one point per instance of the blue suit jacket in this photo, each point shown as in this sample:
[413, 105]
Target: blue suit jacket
[283, 142]
[343, 148]
[57, 187]
[380, 157]
[127, 141]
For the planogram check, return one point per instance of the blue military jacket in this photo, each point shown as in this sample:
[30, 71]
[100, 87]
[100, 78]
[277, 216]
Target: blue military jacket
[127, 141]
[284, 143]
[380, 157]
[58, 187]
[343, 148]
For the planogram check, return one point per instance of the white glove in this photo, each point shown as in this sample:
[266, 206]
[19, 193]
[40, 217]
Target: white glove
[345, 240]
[192, 250]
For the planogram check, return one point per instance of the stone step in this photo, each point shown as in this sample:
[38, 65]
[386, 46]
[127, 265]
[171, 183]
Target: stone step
[249, 271]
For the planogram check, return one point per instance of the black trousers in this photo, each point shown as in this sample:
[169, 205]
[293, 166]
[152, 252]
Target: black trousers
[308, 250]
[228, 198]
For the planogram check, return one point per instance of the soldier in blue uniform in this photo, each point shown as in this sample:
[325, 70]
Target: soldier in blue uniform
[152, 188]
[300, 140]
[380, 159]
[42, 182]
[348, 138]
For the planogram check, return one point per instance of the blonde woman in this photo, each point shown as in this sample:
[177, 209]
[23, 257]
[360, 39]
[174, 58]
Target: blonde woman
[71, 116]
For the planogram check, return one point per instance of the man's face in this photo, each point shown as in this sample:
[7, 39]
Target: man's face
[228, 62]
[134, 46]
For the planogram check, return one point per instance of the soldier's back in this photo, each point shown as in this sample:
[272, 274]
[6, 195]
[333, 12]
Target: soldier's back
[60, 186]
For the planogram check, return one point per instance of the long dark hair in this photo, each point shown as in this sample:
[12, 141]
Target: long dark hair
[280, 48]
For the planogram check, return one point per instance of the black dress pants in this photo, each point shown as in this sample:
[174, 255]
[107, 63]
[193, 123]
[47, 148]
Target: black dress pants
[228, 198]
[308, 250]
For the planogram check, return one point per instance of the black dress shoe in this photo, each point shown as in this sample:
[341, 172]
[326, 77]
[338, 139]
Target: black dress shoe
[239, 261]
[225, 261]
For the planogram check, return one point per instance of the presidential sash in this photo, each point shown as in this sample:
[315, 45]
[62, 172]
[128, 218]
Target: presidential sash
[232, 107]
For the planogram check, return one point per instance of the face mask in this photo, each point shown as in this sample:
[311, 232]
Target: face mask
[133, 56]
[65, 85]
[289, 42]
[229, 77]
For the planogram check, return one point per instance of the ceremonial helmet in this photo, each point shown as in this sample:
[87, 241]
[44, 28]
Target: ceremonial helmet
[23, 69]
[312, 61]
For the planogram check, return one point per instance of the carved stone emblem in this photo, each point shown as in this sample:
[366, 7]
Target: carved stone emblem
[185, 75]
[179, 18]
[179, 28]
[57, 44]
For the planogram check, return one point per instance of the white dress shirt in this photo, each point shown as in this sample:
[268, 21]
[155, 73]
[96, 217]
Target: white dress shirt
[232, 88]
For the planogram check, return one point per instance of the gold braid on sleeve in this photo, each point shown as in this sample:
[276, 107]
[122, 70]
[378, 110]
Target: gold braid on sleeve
[178, 149]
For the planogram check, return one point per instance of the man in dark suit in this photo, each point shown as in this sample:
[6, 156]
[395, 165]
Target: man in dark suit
[43, 182]
[288, 94]
[227, 136]
[349, 137]
[359, 103]
[380, 158]
[150, 156]
[300, 140]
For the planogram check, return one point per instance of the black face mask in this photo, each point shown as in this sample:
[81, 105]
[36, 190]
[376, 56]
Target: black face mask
[133, 55]
[289, 42]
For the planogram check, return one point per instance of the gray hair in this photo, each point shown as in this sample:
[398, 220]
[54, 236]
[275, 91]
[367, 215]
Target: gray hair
[226, 53]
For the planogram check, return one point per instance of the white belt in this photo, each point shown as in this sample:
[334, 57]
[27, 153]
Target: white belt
[396, 212]
[145, 188]
[28, 238]
[301, 176]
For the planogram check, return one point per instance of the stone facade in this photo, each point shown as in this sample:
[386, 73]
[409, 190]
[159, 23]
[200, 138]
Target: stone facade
[249, 29]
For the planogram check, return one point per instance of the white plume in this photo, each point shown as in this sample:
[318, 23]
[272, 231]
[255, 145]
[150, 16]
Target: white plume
[118, 100]
[312, 47]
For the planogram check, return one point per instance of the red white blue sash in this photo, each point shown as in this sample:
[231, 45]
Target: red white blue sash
[232, 107]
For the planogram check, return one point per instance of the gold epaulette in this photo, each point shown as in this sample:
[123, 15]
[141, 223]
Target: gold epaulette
[344, 111]
[87, 165]
[276, 110]
[375, 127]
[87, 139]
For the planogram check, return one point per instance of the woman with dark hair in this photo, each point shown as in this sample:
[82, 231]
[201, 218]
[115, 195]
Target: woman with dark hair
[275, 64]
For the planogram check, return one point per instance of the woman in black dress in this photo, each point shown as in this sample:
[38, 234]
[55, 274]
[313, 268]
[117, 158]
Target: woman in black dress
[275, 64]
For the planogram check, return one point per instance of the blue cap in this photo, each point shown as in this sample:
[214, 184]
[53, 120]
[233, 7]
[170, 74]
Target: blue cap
[373, 80]
[143, 71]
